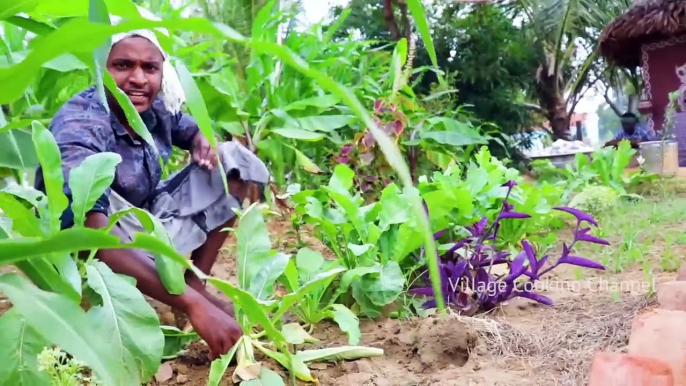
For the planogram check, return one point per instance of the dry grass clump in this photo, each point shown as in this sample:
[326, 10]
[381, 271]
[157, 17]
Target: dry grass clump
[573, 331]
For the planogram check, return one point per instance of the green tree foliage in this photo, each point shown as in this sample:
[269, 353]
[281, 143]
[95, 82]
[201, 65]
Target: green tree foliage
[492, 61]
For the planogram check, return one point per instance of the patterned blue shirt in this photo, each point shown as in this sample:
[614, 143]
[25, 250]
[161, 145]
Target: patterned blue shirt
[83, 127]
[641, 132]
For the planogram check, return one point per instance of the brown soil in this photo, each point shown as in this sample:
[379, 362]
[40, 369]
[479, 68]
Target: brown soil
[520, 343]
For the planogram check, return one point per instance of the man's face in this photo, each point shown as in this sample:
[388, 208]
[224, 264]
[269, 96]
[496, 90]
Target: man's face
[136, 65]
[628, 125]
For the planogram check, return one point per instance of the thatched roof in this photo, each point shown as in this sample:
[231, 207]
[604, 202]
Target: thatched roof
[646, 21]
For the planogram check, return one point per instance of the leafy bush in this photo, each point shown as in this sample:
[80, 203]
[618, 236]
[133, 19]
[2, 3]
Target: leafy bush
[467, 278]
[595, 199]
[607, 167]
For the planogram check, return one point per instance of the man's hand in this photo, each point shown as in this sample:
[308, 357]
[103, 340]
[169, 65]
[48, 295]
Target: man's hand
[613, 142]
[203, 154]
[220, 331]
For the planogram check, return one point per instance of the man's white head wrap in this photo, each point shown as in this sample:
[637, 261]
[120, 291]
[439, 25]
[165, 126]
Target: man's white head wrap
[171, 91]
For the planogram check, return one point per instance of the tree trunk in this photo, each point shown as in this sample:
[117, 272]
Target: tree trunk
[389, 16]
[559, 122]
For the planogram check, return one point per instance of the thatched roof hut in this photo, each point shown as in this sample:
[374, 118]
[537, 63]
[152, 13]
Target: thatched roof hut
[646, 22]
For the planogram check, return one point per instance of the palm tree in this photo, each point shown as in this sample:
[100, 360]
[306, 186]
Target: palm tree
[565, 33]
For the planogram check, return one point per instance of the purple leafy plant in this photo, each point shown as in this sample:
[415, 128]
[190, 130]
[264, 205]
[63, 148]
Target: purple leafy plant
[465, 269]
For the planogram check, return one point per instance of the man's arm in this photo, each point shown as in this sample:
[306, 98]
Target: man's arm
[183, 131]
[137, 264]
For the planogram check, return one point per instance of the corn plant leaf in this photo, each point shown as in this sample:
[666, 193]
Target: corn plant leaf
[89, 181]
[51, 167]
[132, 117]
[392, 153]
[198, 109]
[80, 35]
[322, 102]
[12, 7]
[127, 322]
[61, 321]
[398, 60]
[299, 134]
[20, 347]
[419, 16]
[97, 13]
[85, 239]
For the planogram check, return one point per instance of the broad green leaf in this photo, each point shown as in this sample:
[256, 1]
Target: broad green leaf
[170, 271]
[18, 151]
[299, 134]
[384, 287]
[294, 333]
[266, 378]
[352, 275]
[20, 347]
[24, 221]
[304, 161]
[40, 270]
[252, 245]
[219, 366]
[290, 362]
[127, 322]
[247, 303]
[175, 340]
[347, 322]
[63, 322]
[89, 181]
[359, 250]
[308, 262]
[335, 354]
[342, 179]
[395, 207]
[51, 162]
[319, 282]
[262, 283]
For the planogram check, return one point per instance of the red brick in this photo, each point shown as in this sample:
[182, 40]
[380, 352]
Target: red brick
[672, 295]
[659, 334]
[614, 369]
